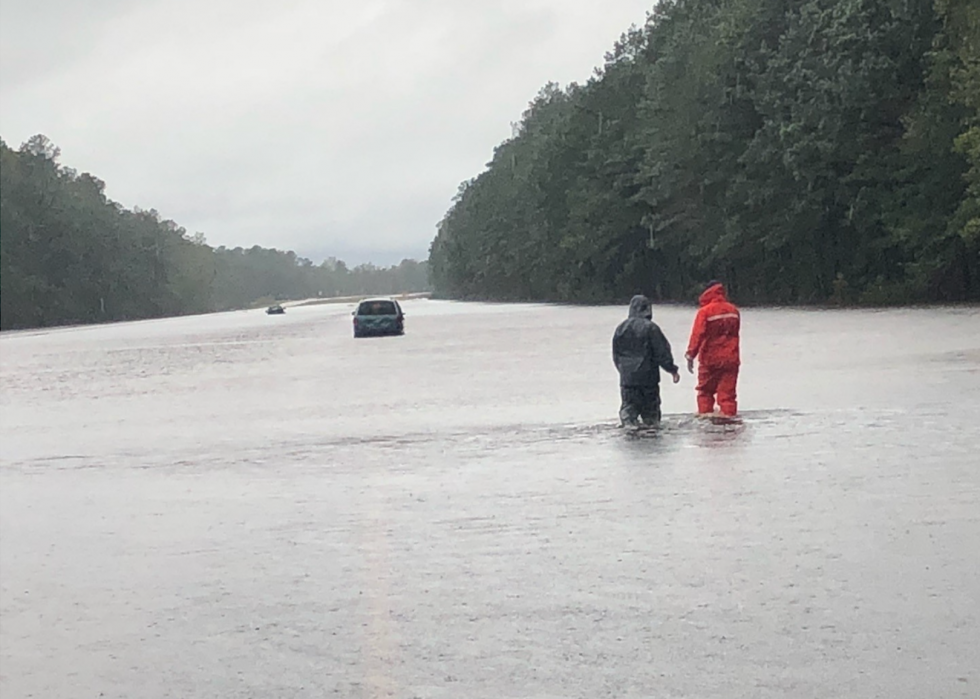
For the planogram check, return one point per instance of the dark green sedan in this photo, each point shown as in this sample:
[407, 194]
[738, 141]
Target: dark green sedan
[378, 317]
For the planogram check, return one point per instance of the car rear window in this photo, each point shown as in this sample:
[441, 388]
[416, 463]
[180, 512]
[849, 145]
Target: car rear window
[377, 308]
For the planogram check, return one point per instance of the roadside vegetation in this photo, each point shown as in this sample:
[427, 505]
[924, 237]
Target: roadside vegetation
[805, 151]
[68, 254]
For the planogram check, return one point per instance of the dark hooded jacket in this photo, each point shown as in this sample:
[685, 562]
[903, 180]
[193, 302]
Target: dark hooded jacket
[640, 349]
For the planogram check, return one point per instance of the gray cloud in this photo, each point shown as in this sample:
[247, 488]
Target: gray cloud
[309, 125]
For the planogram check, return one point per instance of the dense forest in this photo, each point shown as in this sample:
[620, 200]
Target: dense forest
[70, 255]
[805, 151]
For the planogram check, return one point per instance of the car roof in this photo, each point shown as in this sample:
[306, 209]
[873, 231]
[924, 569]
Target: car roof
[378, 298]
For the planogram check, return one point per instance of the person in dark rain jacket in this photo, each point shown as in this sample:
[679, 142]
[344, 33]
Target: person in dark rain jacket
[714, 342]
[640, 351]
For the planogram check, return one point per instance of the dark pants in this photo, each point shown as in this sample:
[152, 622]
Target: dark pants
[640, 401]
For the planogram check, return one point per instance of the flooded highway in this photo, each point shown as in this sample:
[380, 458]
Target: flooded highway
[242, 505]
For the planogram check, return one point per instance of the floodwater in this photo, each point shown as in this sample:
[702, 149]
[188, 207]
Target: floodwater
[242, 505]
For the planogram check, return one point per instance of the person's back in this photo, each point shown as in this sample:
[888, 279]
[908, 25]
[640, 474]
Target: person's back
[715, 342]
[640, 350]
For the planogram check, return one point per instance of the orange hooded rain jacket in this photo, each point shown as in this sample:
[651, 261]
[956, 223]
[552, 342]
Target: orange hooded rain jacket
[714, 337]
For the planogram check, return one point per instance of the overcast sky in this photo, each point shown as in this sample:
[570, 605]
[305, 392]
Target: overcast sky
[329, 128]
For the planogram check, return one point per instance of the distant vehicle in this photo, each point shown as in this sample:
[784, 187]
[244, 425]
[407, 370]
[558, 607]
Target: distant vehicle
[275, 310]
[382, 316]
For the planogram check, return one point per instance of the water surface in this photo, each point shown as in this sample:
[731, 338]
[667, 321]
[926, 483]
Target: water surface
[243, 505]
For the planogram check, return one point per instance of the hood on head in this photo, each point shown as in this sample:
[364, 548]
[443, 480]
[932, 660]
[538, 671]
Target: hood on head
[715, 291]
[640, 307]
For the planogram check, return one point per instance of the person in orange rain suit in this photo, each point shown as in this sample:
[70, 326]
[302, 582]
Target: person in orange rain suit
[714, 342]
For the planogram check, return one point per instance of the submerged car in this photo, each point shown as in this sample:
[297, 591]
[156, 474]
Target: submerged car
[275, 310]
[378, 317]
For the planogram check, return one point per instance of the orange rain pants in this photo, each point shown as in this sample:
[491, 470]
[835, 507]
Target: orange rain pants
[720, 382]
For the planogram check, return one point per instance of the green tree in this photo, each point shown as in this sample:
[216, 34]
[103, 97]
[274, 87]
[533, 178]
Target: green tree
[805, 150]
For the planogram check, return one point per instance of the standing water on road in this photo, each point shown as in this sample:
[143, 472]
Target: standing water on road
[243, 505]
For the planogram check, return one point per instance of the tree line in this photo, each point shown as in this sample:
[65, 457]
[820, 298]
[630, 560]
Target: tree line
[68, 254]
[805, 151]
